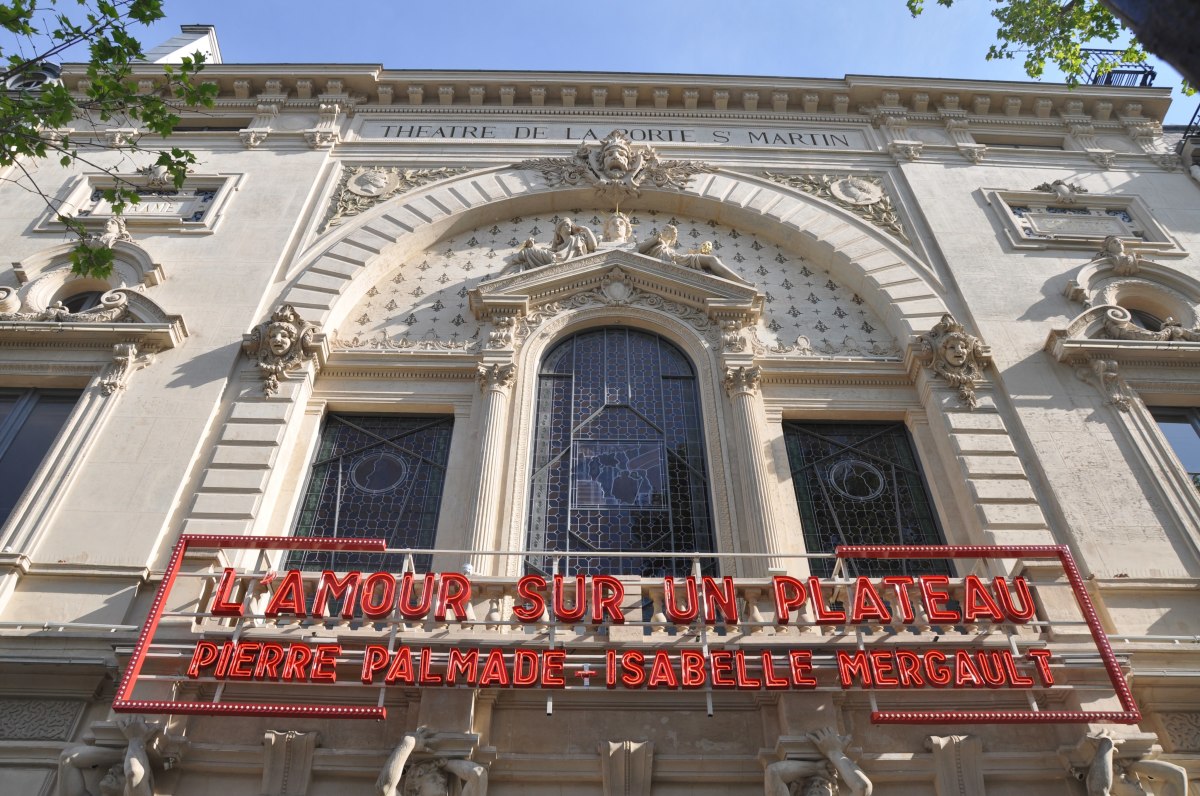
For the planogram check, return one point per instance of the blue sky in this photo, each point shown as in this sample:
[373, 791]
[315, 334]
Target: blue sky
[800, 38]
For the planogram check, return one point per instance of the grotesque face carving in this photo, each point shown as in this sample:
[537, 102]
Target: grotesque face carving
[615, 156]
[956, 350]
[280, 339]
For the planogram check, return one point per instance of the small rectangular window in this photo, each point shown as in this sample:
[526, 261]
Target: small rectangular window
[1018, 142]
[1181, 427]
[375, 477]
[29, 423]
[860, 484]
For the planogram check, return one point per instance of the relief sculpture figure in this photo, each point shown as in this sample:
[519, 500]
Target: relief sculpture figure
[126, 771]
[663, 247]
[570, 240]
[818, 778]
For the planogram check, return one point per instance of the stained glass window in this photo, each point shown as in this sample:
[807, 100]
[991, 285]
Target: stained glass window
[618, 457]
[375, 477]
[859, 483]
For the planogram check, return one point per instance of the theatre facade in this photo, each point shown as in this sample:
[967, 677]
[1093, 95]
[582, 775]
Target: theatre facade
[529, 433]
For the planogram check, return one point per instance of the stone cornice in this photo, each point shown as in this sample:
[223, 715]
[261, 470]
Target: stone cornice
[764, 97]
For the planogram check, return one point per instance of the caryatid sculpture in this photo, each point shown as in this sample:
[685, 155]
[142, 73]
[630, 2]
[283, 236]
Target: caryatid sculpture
[127, 771]
[429, 777]
[814, 777]
[1110, 775]
[281, 344]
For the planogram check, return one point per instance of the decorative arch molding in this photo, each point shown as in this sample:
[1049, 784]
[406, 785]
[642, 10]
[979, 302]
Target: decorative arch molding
[1140, 284]
[889, 277]
[132, 268]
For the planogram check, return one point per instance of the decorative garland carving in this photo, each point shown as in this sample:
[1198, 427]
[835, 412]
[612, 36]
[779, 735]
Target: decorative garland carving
[114, 306]
[625, 296]
[381, 341]
[1119, 325]
[863, 196]
[956, 356]
[617, 168]
[362, 187]
[279, 345]
[1065, 192]
[804, 347]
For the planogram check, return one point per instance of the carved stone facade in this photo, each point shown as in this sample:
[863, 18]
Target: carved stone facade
[852, 261]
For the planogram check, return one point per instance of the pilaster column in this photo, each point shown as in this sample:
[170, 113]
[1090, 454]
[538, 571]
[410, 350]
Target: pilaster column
[761, 524]
[495, 380]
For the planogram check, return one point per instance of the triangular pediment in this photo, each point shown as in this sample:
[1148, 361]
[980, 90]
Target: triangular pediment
[616, 277]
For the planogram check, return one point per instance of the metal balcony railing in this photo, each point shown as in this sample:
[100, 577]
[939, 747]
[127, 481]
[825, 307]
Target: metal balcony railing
[1104, 68]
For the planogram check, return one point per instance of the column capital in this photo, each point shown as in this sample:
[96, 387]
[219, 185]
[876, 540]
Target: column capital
[742, 379]
[496, 376]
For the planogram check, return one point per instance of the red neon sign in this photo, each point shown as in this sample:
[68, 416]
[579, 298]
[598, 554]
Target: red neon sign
[390, 598]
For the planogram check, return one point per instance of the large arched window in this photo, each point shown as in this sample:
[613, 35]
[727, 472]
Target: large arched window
[618, 461]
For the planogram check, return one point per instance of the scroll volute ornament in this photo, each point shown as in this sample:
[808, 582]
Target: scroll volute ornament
[957, 357]
[280, 345]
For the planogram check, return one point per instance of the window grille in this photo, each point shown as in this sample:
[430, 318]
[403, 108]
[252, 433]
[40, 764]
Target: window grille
[856, 484]
[619, 459]
[375, 477]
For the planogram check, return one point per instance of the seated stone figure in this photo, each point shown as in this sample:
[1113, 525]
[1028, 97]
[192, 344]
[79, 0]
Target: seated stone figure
[570, 240]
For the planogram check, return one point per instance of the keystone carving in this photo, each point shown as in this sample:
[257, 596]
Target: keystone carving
[616, 168]
[1119, 325]
[280, 345]
[959, 358]
[114, 231]
[1114, 253]
[818, 777]
[362, 187]
[863, 196]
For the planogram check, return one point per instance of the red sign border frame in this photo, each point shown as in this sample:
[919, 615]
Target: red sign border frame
[1130, 714]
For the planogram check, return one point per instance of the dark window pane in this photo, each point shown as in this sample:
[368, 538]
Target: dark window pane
[29, 422]
[375, 477]
[1181, 427]
[618, 457]
[859, 484]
